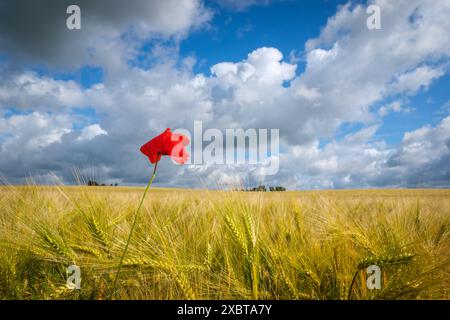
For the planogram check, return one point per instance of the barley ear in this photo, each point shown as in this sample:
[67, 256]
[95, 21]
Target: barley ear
[236, 235]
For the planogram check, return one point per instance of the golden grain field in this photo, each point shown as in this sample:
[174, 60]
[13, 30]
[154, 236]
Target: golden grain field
[198, 244]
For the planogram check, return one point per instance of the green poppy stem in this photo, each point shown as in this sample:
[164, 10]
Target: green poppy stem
[133, 227]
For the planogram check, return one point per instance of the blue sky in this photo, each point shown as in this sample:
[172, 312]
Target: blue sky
[355, 107]
[234, 34]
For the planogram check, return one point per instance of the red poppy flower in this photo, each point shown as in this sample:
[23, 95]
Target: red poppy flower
[167, 144]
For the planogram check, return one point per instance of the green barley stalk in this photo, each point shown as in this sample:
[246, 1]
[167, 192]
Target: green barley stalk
[381, 261]
[237, 236]
[183, 283]
[38, 252]
[133, 226]
[250, 232]
[86, 250]
[386, 260]
[161, 265]
[56, 247]
[61, 291]
[440, 233]
[207, 261]
[97, 232]
[295, 294]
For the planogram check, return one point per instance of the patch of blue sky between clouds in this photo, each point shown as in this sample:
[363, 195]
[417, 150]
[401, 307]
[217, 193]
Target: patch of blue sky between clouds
[285, 25]
[85, 116]
[153, 52]
[13, 111]
[426, 108]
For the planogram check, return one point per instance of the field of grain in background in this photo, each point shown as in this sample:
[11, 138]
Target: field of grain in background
[199, 244]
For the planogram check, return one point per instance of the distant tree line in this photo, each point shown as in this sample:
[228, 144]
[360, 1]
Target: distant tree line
[93, 183]
[263, 188]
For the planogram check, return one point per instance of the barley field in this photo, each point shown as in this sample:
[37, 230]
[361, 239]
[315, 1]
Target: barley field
[199, 244]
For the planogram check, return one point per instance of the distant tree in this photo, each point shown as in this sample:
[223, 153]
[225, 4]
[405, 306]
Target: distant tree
[115, 184]
[260, 188]
[92, 183]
